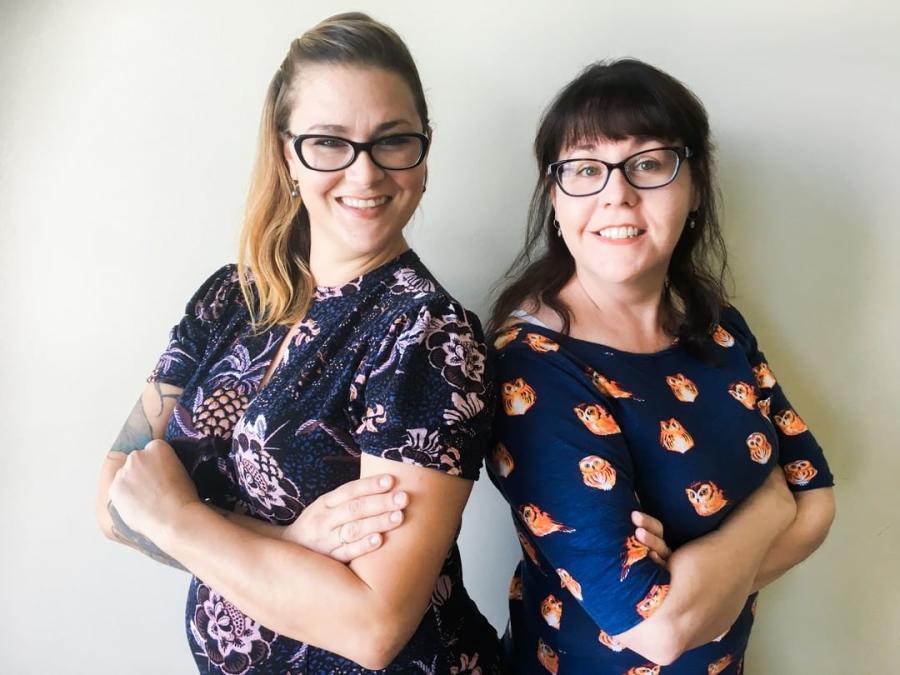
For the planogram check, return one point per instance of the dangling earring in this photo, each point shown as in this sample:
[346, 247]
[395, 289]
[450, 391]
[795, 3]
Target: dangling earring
[692, 220]
[556, 225]
[295, 190]
[425, 182]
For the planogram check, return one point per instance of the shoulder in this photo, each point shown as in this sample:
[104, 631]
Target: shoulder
[216, 296]
[735, 327]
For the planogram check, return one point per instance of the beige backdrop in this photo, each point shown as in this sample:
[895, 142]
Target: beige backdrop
[126, 137]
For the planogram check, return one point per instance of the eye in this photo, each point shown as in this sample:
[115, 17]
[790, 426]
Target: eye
[330, 143]
[646, 164]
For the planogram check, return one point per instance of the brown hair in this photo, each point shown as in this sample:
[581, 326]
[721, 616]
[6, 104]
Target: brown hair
[275, 238]
[618, 100]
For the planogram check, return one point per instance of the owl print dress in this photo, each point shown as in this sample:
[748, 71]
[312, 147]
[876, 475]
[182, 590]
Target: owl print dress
[586, 434]
[388, 364]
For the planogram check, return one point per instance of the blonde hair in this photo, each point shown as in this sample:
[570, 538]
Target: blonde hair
[275, 238]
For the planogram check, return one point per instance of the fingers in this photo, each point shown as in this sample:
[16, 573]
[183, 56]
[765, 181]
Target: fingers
[648, 522]
[655, 544]
[347, 552]
[370, 485]
[359, 529]
[360, 508]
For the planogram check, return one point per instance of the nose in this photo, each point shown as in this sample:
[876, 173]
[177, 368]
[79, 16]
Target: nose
[364, 170]
[618, 190]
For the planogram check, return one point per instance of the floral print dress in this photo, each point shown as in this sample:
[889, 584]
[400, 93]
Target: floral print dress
[585, 435]
[388, 364]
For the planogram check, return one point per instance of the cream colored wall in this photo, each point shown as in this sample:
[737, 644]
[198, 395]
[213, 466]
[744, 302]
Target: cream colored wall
[126, 136]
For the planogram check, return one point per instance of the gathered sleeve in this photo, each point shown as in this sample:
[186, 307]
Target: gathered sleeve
[427, 395]
[190, 337]
[562, 463]
[799, 454]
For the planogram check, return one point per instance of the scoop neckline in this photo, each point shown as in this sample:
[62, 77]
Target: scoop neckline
[562, 337]
[335, 291]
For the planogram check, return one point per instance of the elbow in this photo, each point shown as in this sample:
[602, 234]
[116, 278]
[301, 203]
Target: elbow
[662, 645]
[379, 647]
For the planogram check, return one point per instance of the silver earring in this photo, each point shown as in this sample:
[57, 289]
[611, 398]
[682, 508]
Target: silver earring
[692, 223]
[295, 190]
[556, 225]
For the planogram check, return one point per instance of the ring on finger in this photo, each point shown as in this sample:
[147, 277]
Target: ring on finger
[343, 541]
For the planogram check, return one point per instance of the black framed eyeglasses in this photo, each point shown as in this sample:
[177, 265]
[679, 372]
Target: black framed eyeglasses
[333, 153]
[645, 170]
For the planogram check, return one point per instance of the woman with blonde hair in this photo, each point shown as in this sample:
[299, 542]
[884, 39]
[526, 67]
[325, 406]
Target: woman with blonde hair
[317, 395]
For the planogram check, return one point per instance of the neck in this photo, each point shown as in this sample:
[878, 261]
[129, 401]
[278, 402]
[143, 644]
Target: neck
[335, 268]
[626, 316]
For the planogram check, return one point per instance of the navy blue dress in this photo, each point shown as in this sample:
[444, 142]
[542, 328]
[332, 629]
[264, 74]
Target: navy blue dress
[388, 364]
[585, 435]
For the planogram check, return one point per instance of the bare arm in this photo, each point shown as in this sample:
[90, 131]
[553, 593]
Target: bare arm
[712, 576]
[375, 603]
[815, 513]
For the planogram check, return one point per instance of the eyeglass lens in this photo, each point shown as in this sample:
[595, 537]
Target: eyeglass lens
[649, 169]
[392, 152]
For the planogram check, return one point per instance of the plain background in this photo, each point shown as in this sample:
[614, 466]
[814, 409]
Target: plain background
[127, 132]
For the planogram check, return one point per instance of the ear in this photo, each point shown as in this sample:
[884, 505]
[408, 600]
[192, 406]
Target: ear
[290, 156]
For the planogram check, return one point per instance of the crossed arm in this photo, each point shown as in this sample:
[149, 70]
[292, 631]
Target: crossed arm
[375, 603]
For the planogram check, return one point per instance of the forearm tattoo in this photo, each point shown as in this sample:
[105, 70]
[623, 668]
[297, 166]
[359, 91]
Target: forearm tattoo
[128, 536]
[136, 432]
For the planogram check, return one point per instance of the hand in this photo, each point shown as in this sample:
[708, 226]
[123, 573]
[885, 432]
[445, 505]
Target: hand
[348, 522]
[650, 533]
[151, 488]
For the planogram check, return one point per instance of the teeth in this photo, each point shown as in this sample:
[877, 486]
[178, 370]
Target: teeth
[619, 232]
[364, 203]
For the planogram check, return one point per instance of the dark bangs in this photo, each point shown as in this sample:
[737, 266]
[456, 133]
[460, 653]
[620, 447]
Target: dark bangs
[630, 100]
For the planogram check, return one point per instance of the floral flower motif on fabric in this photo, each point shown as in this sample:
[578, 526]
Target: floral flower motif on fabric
[419, 447]
[406, 339]
[173, 355]
[406, 280]
[230, 639]
[468, 665]
[306, 331]
[268, 490]
[464, 408]
[209, 310]
[453, 349]
[372, 418]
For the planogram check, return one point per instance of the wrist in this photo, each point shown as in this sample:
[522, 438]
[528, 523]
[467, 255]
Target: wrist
[167, 532]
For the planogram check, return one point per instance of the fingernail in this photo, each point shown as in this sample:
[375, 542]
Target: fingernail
[640, 531]
[374, 540]
[400, 498]
[384, 481]
[396, 516]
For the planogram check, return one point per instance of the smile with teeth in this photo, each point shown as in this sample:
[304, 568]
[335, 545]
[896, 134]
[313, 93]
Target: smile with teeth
[363, 203]
[626, 232]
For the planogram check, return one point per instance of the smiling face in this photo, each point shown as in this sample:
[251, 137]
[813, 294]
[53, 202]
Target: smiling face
[623, 235]
[356, 214]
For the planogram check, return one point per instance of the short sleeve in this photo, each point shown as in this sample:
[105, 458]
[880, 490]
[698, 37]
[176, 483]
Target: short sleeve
[190, 337]
[427, 398]
[562, 463]
[799, 454]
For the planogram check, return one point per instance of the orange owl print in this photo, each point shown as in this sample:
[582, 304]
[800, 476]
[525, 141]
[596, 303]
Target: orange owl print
[674, 437]
[539, 522]
[652, 600]
[596, 472]
[646, 669]
[760, 448]
[764, 405]
[547, 657]
[596, 419]
[609, 641]
[684, 390]
[608, 387]
[518, 397]
[501, 461]
[706, 497]
[765, 379]
[744, 394]
[541, 344]
[800, 472]
[634, 552]
[717, 667]
[722, 337]
[551, 610]
[515, 588]
[568, 582]
[528, 548]
[506, 336]
[790, 423]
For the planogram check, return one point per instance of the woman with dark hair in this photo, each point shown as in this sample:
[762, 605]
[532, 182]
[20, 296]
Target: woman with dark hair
[316, 396]
[630, 385]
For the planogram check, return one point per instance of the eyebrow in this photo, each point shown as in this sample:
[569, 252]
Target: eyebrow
[339, 128]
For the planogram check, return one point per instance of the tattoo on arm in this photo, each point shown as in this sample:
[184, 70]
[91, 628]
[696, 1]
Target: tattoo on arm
[128, 536]
[136, 432]
[163, 397]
